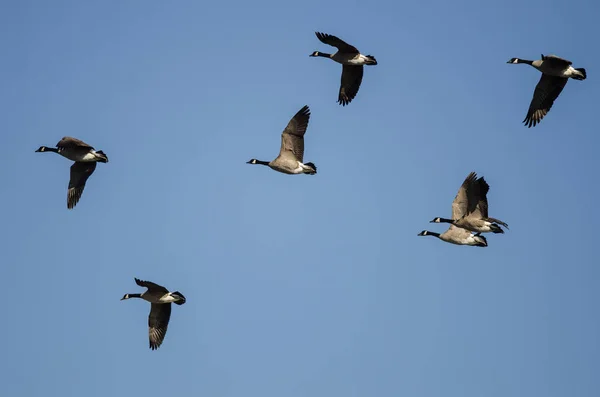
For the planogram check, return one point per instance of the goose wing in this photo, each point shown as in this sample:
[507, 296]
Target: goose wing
[351, 79]
[462, 205]
[481, 212]
[80, 172]
[334, 41]
[546, 92]
[151, 286]
[480, 191]
[292, 137]
[556, 61]
[70, 142]
[158, 322]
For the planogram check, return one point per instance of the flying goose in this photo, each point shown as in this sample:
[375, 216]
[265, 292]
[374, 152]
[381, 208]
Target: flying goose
[352, 69]
[291, 154]
[455, 234]
[555, 74]
[160, 311]
[85, 158]
[474, 205]
[458, 236]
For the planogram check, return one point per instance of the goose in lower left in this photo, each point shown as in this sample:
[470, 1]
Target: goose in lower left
[160, 310]
[85, 158]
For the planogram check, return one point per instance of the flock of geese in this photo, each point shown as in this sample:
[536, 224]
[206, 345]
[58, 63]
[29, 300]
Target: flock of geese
[469, 209]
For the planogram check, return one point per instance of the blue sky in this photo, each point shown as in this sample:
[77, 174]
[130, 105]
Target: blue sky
[297, 285]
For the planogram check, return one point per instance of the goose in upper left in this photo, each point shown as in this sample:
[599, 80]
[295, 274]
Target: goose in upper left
[556, 72]
[85, 158]
[352, 69]
[160, 309]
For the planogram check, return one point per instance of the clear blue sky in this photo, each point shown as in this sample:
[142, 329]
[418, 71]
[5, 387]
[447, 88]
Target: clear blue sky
[297, 285]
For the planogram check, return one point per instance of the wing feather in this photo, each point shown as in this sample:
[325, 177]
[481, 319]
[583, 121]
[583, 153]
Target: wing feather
[546, 92]
[334, 41]
[292, 137]
[158, 322]
[460, 205]
[80, 172]
[352, 76]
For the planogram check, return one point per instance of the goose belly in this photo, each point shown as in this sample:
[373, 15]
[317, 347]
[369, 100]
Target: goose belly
[152, 297]
[90, 156]
[351, 59]
[75, 156]
[556, 72]
[470, 240]
[287, 168]
[474, 225]
[358, 61]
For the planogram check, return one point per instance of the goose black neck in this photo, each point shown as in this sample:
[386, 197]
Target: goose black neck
[262, 162]
[428, 233]
[445, 220]
[524, 61]
[134, 296]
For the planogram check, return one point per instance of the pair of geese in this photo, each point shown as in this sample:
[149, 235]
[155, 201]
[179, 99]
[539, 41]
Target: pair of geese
[85, 156]
[469, 214]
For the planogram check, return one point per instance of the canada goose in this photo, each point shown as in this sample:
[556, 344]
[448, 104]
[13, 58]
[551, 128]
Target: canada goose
[455, 234]
[160, 311]
[458, 236]
[352, 69]
[472, 200]
[555, 74]
[85, 158]
[291, 154]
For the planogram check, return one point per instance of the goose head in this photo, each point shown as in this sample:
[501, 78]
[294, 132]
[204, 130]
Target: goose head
[315, 54]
